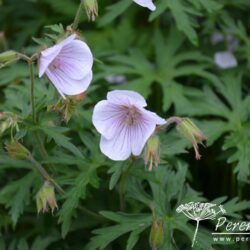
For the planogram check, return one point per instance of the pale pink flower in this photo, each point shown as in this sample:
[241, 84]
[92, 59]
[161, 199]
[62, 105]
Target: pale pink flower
[146, 3]
[124, 124]
[68, 65]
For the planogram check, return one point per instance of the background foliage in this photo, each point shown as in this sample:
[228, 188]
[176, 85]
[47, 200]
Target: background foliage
[167, 56]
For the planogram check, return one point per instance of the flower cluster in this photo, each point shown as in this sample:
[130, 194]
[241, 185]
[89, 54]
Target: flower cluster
[126, 126]
[122, 120]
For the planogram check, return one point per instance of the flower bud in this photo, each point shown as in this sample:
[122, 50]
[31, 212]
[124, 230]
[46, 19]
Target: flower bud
[67, 107]
[91, 7]
[192, 133]
[7, 120]
[7, 57]
[16, 150]
[156, 234]
[46, 198]
[152, 152]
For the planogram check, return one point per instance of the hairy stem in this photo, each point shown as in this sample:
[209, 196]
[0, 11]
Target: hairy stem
[122, 186]
[32, 94]
[172, 120]
[44, 173]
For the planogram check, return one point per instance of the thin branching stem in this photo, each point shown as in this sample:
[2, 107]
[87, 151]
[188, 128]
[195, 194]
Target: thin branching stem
[93, 214]
[32, 94]
[122, 187]
[44, 173]
[77, 16]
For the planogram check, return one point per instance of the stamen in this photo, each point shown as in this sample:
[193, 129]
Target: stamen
[55, 64]
[132, 115]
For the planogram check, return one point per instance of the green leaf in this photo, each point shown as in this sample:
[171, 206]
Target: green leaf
[240, 142]
[23, 245]
[16, 195]
[183, 21]
[128, 223]
[73, 197]
[114, 11]
[42, 243]
[62, 140]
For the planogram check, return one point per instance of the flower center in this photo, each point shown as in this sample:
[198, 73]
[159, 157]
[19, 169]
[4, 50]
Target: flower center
[55, 64]
[132, 115]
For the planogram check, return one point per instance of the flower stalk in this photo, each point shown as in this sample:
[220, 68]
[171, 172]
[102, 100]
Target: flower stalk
[44, 173]
[32, 87]
[77, 17]
[122, 186]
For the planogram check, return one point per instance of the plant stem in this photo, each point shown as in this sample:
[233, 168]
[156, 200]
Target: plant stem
[93, 214]
[32, 96]
[77, 17]
[122, 186]
[172, 120]
[44, 173]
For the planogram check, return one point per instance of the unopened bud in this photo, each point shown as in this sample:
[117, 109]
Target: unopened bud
[46, 198]
[8, 57]
[192, 133]
[91, 7]
[16, 150]
[152, 152]
[8, 120]
[156, 234]
[67, 107]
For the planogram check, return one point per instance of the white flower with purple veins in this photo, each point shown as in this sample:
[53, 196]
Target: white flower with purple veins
[146, 3]
[124, 124]
[68, 65]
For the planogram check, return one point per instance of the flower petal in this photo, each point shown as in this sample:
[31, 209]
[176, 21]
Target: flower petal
[119, 147]
[140, 135]
[225, 60]
[146, 3]
[48, 55]
[107, 118]
[141, 132]
[154, 117]
[66, 85]
[126, 97]
[76, 59]
[68, 40]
